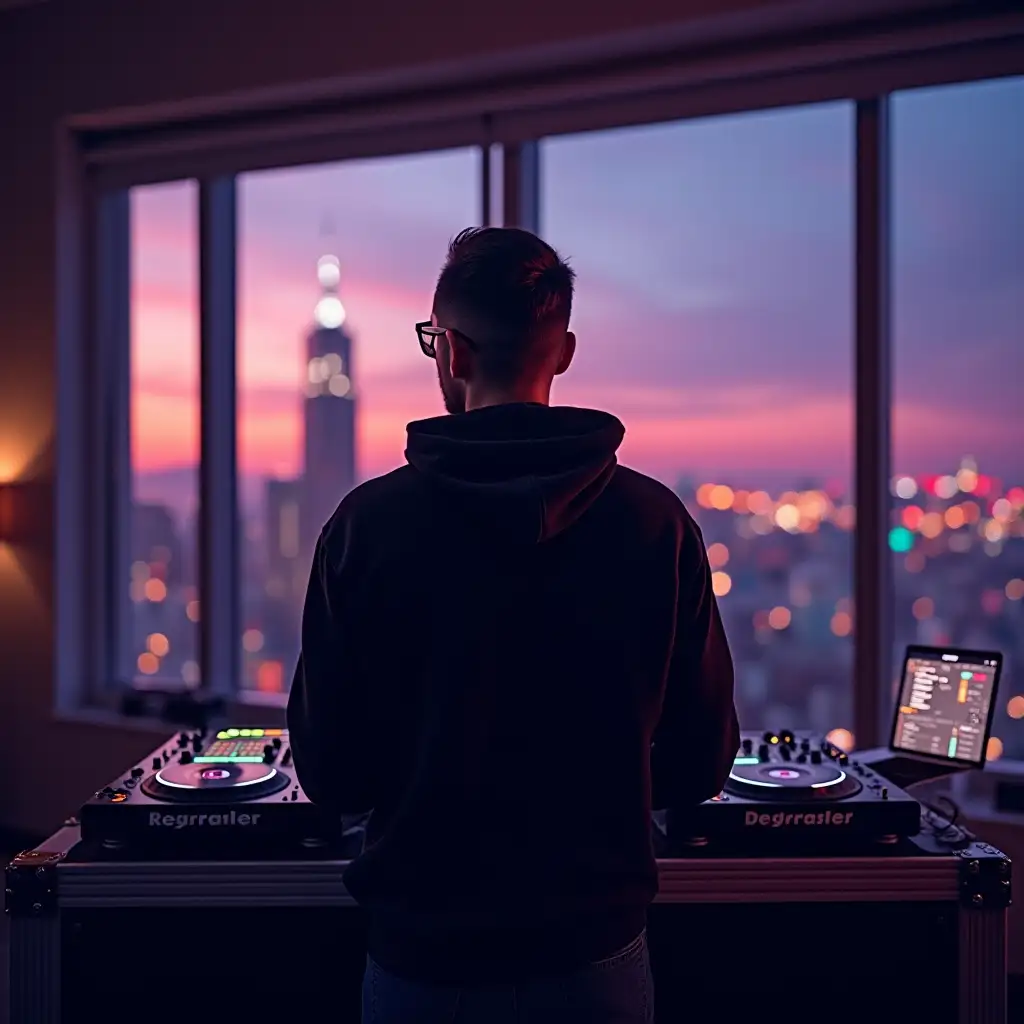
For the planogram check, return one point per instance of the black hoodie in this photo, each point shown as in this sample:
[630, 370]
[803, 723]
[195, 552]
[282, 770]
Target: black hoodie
[510, 647]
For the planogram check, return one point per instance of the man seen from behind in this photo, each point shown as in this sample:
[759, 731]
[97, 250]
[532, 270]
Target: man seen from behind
[511, 652]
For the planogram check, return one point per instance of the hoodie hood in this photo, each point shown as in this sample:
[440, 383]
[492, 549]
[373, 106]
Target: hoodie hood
[527, 471]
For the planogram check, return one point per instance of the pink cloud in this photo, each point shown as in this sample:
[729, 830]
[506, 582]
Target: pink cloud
[694, 390]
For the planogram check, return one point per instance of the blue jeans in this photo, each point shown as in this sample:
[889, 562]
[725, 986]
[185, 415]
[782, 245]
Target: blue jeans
[618, 990]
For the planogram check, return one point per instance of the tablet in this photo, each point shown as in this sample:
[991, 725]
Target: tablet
[945, 704]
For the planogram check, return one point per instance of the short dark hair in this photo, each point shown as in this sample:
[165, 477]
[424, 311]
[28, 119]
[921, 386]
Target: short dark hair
[509, 287]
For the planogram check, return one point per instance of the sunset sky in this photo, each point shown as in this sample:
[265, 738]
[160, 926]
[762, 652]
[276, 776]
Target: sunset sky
[714, 301]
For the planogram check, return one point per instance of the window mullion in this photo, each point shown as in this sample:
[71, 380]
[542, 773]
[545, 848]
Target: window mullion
[106, 489]
[521, 185]
[219, 595]
[486, 213]
[873, 583]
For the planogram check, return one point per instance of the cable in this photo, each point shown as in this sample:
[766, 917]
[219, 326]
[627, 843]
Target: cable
[940, 819]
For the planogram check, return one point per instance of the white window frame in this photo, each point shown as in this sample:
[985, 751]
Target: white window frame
[511, 104]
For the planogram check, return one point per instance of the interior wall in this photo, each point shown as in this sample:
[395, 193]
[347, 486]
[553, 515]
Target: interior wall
[69, 57]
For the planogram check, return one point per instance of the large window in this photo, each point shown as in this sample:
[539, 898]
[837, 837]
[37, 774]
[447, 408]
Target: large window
[713, 312]
[716, 273]
[958, 490]
[336, 265]
[158, 645]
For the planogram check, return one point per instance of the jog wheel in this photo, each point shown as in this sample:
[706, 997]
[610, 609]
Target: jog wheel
[789, 783]
[225, 781]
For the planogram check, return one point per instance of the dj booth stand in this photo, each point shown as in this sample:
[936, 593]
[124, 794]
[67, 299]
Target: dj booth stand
[49, 887]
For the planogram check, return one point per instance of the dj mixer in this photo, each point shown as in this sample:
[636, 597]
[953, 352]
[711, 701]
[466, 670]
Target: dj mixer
[230, 789]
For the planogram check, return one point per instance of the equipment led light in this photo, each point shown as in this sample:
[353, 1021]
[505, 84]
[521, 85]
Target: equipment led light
[235, 759]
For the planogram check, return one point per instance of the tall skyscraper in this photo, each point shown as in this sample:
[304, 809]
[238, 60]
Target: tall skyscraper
[329, 408]
[296, 510]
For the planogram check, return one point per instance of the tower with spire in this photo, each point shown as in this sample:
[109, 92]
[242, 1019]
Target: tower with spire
[329, 407]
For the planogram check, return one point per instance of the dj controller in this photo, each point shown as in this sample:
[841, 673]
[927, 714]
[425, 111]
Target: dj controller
[797, 789]
[235, 789]
[205, 791]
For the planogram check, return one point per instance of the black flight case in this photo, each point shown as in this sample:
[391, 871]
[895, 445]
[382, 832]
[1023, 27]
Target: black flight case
[914, 934]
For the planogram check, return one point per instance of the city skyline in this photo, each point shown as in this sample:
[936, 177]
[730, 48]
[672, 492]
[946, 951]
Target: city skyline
[745, 361]
[714, 311]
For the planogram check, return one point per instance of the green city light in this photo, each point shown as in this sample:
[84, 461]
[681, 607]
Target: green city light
[901, 539]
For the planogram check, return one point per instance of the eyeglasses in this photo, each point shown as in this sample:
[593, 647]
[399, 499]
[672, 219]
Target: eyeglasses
[427, 335]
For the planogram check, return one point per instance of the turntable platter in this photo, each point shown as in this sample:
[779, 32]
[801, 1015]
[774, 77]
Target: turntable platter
[225, 780]
[789, 782]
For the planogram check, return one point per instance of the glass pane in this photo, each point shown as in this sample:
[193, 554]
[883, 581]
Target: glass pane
[958, 304]
[336, 265]
[162, 645]
[714, 318]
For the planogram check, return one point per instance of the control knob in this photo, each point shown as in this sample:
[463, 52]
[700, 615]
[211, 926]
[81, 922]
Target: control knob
[157, 764]
[815, 757]
[137, 773]
[785, 753]
[786, 736]
[763, 752]
[186, 757]
[286, 757]
[748, 745]
[269, 753]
